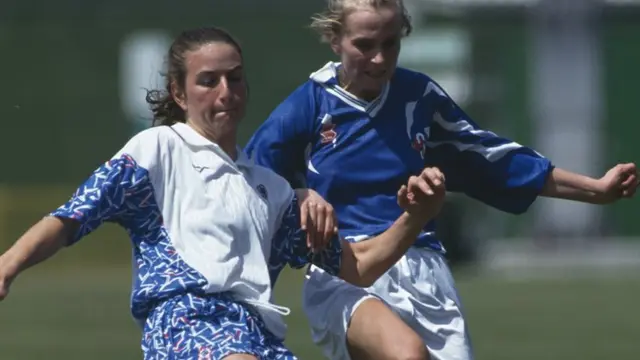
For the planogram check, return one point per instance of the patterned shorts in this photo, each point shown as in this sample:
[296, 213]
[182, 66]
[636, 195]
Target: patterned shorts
[208, 328]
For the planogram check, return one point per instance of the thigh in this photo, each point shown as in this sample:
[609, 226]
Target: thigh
[329, 302]
[377, 333]
[429, 303]
[348, 322]
[240, 357]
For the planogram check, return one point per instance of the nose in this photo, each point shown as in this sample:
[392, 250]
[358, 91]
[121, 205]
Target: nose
[224, 91]
[378, 58]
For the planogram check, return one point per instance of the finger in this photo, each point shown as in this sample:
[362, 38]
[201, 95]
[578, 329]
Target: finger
[630, 180]
[330, 226]
[313, 218]
[433, 177]
[631, 191]
[419, 185]
[304, 216]
[436, 178]
[402, 198]
[321, 220]
[629, 167]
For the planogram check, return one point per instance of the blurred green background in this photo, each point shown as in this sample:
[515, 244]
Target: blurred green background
[62, 117]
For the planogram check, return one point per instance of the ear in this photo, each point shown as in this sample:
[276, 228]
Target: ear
[335, 44]
[178, 95]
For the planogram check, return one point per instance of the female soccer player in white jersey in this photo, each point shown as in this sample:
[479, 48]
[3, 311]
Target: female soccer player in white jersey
[355, 131]
[209, 229]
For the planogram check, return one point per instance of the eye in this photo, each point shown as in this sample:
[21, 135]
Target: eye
[235, 76]
[208, 80]
[364, 45]
[389, 43]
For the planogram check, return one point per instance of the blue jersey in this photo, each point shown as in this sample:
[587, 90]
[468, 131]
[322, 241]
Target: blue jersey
[357, 154]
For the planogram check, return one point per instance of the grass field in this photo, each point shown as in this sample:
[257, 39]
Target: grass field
[83, 314]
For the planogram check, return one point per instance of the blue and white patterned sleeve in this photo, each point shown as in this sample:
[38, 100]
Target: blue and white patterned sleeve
[483, 165]
[289, 246]
[103, 196]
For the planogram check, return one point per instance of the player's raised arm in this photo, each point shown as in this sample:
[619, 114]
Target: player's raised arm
[503, 173]
[619, 182]
[364, 262]
[485, 166]
[102, 197]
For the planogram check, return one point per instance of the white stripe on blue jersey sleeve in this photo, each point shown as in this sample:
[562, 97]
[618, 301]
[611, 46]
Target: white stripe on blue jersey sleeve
[490, 168]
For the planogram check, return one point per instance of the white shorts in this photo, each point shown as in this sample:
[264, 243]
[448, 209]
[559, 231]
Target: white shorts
[419, 288]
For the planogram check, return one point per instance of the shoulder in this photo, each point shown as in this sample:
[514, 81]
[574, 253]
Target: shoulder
[302, 98]
[410, 80]
[414, 83]
[147, 147]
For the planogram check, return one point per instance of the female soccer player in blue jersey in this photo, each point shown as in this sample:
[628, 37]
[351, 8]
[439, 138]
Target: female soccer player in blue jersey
[355, 131]
[210, 230]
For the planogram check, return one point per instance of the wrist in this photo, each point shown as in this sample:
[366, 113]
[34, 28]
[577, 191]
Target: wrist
[593, 185]
[8, 268]
[415, 220]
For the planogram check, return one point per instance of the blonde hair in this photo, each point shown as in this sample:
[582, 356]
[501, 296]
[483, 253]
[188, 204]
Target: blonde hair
[330, 22]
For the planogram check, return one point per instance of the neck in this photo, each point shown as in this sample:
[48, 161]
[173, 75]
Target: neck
[226, 142]
[348, 84]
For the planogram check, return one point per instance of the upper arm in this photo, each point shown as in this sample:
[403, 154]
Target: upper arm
[280, 142]
[289, 245]
[112, 193]
[488, 167]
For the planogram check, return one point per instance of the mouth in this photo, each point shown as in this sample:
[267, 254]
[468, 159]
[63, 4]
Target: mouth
[376, 74]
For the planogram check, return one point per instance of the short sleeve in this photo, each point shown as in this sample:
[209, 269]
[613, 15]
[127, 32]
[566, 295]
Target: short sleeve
[115, 191]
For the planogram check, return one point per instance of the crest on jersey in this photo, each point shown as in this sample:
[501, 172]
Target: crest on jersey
[419, 142]
[418, 137]
[328, 132]
[262, 191]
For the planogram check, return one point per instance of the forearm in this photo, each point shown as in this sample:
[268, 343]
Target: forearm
[563, 184]
[364, 262]
[39, 243]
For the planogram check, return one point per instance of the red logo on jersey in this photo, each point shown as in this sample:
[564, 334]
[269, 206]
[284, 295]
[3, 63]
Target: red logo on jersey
[328, 133]
[419, 142]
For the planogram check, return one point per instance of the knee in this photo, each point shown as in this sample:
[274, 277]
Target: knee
[412, 350]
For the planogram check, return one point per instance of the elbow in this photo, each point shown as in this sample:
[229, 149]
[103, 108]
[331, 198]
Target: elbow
[355, 270]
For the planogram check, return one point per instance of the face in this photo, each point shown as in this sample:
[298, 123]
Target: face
[369, 46]
[215, 92]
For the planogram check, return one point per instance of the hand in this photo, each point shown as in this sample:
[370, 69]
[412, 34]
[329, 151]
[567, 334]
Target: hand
[4, 288]
[424, 194]
[317, 218]
[5, 280]
[621, 181]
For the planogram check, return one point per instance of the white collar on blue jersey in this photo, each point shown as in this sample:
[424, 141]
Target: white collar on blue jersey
[193, 138]
[327, 76]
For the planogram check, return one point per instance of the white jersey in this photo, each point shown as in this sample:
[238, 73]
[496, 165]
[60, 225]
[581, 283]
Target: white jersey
[199, 221]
